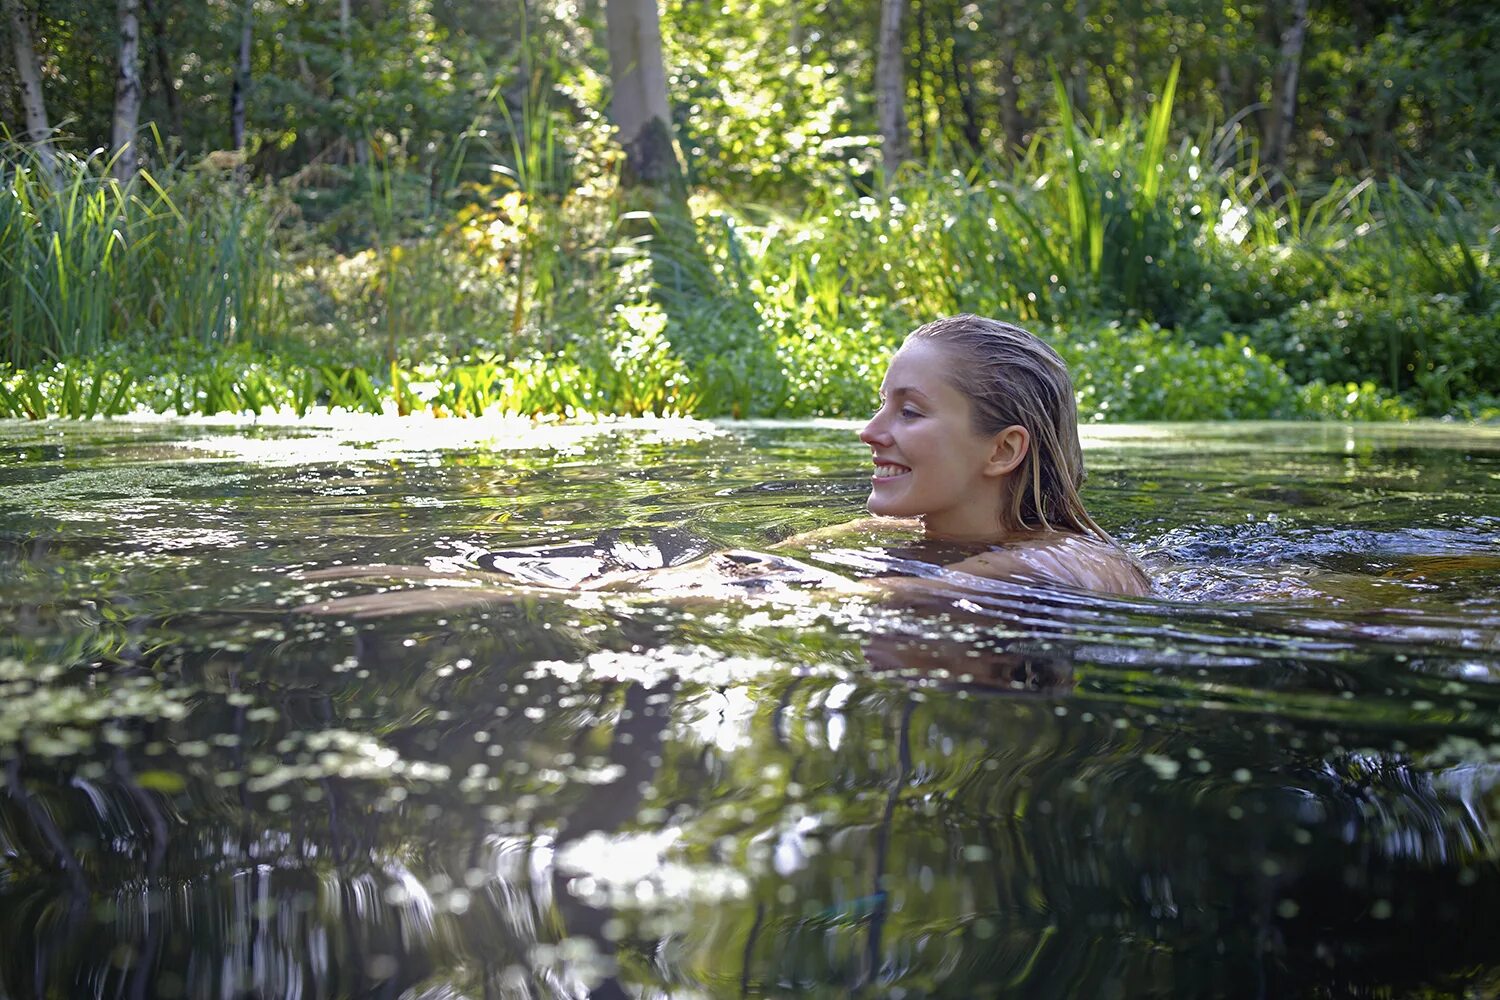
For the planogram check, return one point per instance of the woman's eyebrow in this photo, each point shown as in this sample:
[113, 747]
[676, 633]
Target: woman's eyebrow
[909, 390]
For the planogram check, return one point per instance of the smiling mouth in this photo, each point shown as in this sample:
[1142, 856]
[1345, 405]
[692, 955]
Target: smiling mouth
[888, 471]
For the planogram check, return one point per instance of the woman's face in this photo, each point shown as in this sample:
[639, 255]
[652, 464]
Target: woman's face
[929, 460]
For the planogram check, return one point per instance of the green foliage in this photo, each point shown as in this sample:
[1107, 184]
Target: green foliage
[1144, 373]
[183, 257]
[758, 113]
[1428, 347]
[446, 232]
[637, 369]
[1352, 401]
[246, 382]
[1113, 222]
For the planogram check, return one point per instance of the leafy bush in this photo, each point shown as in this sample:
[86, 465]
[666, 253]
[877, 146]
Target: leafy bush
[1144, 373]
[635, 367]
[1429, 347]
[1352, 401]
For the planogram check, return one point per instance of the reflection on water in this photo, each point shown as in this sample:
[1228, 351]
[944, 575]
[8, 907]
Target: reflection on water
[1279, 777]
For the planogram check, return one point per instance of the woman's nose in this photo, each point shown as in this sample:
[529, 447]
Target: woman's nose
[874, 433]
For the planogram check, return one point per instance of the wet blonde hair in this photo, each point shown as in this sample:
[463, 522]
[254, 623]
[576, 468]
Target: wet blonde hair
[1012, 377]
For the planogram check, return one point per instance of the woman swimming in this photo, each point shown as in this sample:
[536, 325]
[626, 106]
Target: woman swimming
[976, 438]
[975, 446]
[975, 450]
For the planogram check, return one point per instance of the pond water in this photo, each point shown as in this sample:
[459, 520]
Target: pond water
[237, 761]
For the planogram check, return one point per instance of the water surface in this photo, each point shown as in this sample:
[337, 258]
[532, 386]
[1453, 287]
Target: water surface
[1277, 777]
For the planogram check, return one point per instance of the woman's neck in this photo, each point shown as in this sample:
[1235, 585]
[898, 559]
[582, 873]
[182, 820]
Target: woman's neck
[998, 534]
[971, 534]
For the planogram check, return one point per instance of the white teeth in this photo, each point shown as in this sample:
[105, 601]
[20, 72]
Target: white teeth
[890, 471]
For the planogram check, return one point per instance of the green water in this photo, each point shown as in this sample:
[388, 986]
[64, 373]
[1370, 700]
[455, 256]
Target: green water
[1279, 777]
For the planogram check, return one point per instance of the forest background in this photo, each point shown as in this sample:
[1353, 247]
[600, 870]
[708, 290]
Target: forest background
[1213, 208]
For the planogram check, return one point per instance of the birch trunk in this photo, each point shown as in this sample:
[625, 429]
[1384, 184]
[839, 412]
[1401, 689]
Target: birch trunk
[241, 88]
[127, 93]
[890, 86]
[346, 83]
[639, 105]
[38, 129]
[1284, 100]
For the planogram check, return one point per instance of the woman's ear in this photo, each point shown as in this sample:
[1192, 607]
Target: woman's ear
[1011, 446]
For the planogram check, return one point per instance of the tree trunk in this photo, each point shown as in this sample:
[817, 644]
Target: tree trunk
[890, 86]
[38, 130]
[1284, 96]
[241, 87]
[639, 105]
[127, 93]
[923, 75]
[1226, 91]
[352, 139]
[962, 69]
[1011, 122]
[162, 60]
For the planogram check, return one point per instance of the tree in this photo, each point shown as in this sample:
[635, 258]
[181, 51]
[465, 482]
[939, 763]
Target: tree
[1009, 82]
[241, 86]
[890, 86]
[127, 92]
[639, 105]
[1284, 93]
[38, 129]
[162, 61]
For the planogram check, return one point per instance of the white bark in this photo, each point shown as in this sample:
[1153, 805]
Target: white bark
[890, 86]
[38, 129]
[1284, 102]
[346, 17]
[639, 104]
[127, 93]
[346, 83]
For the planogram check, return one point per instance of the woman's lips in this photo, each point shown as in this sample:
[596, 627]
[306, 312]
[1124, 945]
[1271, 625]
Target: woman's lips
[889, 470]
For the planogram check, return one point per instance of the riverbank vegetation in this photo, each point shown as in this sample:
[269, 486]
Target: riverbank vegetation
[428, 209]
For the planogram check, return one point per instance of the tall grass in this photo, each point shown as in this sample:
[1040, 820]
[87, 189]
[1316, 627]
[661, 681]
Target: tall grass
[1112, 221]
[85, 263]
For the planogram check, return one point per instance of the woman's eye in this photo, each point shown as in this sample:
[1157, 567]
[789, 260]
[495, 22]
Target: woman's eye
[908, 413]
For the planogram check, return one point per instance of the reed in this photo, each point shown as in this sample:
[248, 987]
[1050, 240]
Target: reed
[86, 262]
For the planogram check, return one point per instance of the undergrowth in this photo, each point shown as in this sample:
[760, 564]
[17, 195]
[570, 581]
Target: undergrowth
[512, 279]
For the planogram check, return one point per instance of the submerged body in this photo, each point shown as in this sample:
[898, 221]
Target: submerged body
[975, 443]
[1058, 559]
[892, 557]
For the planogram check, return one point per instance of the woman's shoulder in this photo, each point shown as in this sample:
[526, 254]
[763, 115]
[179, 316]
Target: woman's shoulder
[1070, 560]
[861, 530]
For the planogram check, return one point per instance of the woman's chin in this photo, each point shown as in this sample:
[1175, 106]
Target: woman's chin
[883, 506]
